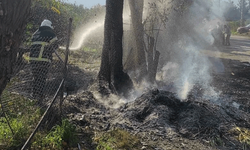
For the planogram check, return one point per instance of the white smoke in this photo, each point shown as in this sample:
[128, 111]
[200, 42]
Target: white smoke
[188, 66]
[194, 69]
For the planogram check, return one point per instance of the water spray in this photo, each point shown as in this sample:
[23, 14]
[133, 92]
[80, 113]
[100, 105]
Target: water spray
[81, 35]
[81, 38]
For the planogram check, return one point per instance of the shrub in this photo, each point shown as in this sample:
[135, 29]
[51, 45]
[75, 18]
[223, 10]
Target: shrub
[61, 136]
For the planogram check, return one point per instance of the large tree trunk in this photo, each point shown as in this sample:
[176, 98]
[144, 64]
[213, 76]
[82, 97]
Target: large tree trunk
[111, 70]
[13, 17]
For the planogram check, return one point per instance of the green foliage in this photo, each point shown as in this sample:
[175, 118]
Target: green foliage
[61, 136]
[19, 130]
[48, 3]
[17, 106]
[21, 125]
[59, 12]
[22, 115]
[117, 139]
[87, 49]
[233, 26]
[216, 141]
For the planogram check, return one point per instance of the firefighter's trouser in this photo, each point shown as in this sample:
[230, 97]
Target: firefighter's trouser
[223, 39]
[228, 39]
[39, 70]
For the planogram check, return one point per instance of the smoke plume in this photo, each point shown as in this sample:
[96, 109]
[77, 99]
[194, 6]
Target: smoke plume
[184, 51]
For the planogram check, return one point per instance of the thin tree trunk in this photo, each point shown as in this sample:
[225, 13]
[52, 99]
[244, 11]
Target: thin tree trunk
[242, 13]
[150, 58]
[136, 8]
[155, 65]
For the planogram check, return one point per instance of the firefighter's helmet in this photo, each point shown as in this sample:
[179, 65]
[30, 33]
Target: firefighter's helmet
[47, 23]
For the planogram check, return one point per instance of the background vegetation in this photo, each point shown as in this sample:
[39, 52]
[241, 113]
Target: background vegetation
[21, 116]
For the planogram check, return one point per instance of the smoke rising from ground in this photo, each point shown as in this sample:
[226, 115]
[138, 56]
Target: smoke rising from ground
[186, 65]
[181, 41]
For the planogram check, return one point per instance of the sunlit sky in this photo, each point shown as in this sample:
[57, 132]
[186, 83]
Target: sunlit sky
[87, 3]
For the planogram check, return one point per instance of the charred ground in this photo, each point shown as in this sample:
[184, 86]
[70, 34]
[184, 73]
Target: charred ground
[162, 121]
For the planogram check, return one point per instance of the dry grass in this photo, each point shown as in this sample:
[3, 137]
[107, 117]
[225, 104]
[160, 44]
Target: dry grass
[117, 139]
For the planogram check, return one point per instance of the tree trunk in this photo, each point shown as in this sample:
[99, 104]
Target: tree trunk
[111, 70]
[153, 72]
[139, 59]
[242, 13]
[13, 18]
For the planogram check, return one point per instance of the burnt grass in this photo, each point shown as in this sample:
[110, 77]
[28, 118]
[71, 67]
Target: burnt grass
[162, 121]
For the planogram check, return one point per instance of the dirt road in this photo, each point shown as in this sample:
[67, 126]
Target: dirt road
[239, 50]
[234, 64]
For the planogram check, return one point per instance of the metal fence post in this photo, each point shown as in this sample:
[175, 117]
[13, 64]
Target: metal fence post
[65, 70]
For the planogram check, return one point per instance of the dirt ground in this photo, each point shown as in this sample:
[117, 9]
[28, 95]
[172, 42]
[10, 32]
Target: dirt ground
[161, 121]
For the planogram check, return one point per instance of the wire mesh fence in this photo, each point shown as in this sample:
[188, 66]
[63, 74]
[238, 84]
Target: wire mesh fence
[34, 82]
[37, 75]
[35, 79]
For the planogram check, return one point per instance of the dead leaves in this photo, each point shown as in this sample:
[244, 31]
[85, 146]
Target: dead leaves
[243, 134]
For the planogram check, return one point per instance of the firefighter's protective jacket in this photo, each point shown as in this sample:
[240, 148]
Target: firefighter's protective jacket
[43, 44]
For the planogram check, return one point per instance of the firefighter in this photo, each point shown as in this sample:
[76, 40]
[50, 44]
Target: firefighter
[227, 34]
[220, 35]
[217, 34]
[44, 43]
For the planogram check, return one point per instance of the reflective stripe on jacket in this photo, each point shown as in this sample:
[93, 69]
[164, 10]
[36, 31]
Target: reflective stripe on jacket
[43, 45]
